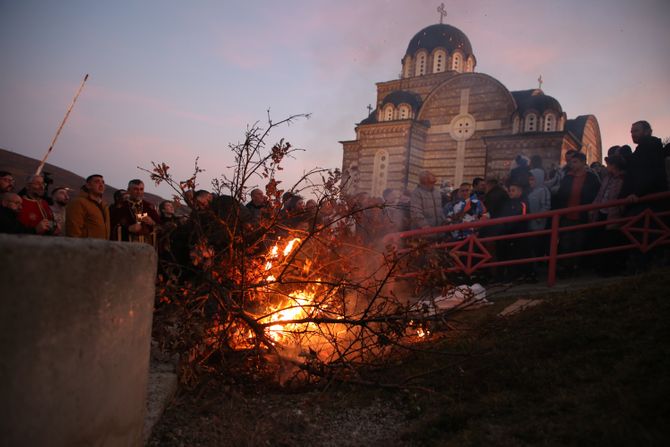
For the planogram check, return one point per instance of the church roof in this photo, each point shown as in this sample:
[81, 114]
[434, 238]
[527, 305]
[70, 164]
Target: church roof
[576, 126]
[400, 96]
[439, 35]
[371, 119]
[536, 100]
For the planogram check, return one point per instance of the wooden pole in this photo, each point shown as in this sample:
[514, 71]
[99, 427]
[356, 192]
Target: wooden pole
[67, 114]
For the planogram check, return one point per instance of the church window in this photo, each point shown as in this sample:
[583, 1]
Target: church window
[439, 61]
[530, 123]
[456, 62]
[407, 67]
[403, 112]
[388, 112]
[380, 172]
[549, 123]
[420, 64]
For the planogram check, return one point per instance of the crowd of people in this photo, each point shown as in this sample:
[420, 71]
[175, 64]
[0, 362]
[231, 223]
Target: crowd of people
[529, 188]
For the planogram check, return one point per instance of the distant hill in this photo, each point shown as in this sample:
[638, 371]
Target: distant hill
[21, 167]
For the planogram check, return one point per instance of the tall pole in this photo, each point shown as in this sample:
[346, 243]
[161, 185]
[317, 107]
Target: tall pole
[67, 114]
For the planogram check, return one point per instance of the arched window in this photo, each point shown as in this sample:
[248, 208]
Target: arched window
[549, 122]
[530, 123]
[388, 112]
[380, 172]
[420, 69]
[407, 67]
[404, 111]
[470, 65]
[439, 61]
[457, 62]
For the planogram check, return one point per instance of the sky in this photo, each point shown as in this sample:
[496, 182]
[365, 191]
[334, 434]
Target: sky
[172, 80]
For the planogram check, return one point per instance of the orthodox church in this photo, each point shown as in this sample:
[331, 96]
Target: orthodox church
[443, 116]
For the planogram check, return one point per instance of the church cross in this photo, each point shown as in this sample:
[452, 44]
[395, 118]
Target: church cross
[369, 109]
[442, 11]
[540, 81]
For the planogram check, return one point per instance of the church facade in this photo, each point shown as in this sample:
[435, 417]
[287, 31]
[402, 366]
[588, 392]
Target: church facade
[443, 116]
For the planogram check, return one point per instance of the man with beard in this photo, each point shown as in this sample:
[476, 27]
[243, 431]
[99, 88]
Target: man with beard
[34, 209]
[6, 182]
[137, 219]
[60, 197]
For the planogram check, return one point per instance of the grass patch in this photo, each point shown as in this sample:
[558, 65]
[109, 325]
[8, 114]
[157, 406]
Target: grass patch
[590, 367]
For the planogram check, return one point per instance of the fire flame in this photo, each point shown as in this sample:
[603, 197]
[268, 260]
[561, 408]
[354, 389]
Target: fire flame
[297, 306]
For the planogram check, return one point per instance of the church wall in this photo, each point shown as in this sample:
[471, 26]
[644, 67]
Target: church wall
[487, 102]
[389, 137]
[417, 156]
[501, 151]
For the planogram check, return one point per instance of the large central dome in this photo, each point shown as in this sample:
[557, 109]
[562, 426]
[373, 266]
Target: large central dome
[440, 35]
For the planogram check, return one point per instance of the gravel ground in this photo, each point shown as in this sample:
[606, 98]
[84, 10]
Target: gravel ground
[219, 417]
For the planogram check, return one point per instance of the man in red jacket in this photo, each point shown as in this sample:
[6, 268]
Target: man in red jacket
[35, 210]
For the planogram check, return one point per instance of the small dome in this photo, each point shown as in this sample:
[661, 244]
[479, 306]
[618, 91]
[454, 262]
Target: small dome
[536, 100]
[440, 35]
[399, 96]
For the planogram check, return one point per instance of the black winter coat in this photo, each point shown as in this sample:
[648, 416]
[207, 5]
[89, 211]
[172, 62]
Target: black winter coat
[646, 169]
[588, 195]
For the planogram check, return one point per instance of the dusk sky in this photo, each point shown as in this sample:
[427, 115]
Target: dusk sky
[172, 80]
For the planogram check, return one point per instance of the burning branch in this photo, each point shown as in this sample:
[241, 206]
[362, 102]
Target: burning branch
[301, 302]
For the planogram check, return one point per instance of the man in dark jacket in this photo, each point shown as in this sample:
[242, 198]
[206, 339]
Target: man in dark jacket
[646, 166]
[137, 219]
[646, 175]
[258, 205]
[578, 187]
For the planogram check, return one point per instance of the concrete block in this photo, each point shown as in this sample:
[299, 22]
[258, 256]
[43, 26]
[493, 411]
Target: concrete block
[75, 333]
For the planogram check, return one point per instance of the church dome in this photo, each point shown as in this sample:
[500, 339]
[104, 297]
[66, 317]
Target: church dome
[440, 35]
[537, 112]
[536, 101]
[399, 96]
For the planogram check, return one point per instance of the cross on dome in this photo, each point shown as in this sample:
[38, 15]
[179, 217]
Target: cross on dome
[442, 11]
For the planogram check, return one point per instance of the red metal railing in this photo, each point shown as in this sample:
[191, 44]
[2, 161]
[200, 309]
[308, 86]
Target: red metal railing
[470, 254]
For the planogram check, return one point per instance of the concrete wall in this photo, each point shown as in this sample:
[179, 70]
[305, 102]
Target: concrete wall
[75, 330]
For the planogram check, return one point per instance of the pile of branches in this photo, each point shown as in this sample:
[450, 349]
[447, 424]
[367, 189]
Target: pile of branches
[302, 302]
